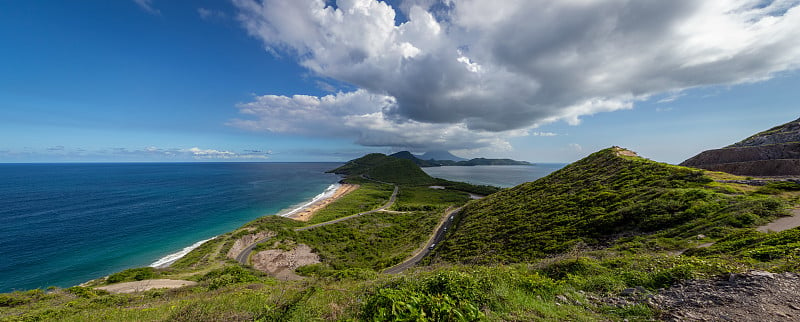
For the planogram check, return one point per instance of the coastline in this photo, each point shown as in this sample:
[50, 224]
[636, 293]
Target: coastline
[303, 212]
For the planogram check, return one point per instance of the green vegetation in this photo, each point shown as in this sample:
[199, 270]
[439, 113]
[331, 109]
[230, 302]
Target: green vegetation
[133, 274]
[386, 169]
[375, 242]
[427, 199]
[554, 249]
[591, 201]
[370, 195]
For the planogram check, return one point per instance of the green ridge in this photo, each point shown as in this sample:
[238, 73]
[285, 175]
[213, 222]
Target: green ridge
[594, 201]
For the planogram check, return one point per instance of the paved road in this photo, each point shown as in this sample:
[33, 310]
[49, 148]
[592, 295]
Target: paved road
[244, 255]
[438, 235]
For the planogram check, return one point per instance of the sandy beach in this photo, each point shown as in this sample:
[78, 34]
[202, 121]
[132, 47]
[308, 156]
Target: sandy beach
[306, 213]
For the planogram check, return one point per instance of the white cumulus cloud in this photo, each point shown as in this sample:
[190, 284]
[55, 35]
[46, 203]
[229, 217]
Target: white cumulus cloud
[489, 69]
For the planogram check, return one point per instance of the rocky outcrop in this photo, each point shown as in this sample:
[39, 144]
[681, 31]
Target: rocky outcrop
[752, 296]
[775, 152]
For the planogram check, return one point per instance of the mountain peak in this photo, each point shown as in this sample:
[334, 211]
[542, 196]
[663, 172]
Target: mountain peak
[440, 155]
[784, 133]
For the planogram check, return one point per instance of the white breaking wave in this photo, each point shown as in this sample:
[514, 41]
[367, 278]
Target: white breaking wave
[325, 194]
[171, 258]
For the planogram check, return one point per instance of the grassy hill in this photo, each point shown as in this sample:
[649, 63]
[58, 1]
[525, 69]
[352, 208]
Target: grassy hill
[380, 167]
[592, 202]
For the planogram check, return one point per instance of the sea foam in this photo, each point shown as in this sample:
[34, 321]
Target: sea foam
[329, 192]
[171, 258]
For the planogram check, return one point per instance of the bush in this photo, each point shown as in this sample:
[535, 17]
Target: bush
[228, 276]
[133, 274]
[407, 305]
[85, 292]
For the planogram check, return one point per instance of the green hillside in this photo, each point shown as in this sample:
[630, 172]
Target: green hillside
[380, 167]
[592, 202]
[568, 247]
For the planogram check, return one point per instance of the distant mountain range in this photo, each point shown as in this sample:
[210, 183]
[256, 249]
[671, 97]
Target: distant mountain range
[440, 155]
[438, 163]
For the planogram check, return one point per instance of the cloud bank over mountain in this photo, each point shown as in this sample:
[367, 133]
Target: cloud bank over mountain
[471, 74]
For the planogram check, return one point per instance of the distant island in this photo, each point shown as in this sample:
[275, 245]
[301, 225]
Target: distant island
[456, 161]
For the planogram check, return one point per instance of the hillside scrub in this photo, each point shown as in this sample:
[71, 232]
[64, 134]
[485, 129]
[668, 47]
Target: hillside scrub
[592, 201]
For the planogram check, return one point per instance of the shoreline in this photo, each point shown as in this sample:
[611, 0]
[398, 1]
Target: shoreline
[303, 212]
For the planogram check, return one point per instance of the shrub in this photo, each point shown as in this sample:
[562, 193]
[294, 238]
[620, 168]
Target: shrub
[228, 276]
[133, 274]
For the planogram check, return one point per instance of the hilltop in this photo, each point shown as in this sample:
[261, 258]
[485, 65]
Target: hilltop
[440, 155]
[595, 201]
[774, 152]
[398, 169]
[380, 167]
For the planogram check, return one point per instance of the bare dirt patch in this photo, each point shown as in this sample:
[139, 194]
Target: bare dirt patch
[281, 264]
[140, 286]
[624, 152]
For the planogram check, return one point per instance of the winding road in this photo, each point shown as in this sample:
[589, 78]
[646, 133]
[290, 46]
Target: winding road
[438, 235]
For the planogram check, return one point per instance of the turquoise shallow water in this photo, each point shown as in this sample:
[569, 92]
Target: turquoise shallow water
[500, 176]
[64, 224]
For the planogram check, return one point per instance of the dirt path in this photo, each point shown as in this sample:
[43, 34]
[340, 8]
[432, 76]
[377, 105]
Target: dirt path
[784, 223]
[244, 255]
[388, 204]
[139, 286]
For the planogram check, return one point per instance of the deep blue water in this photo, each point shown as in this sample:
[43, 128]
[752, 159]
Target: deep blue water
[64, 224]
[499, 176]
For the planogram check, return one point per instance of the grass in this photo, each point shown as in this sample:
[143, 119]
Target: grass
[544, 251]
[368, 196]
[375, 241]
[595, 200]
[427, 199]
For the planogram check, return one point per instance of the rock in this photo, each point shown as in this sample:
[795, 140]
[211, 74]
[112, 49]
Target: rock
[762, 273]
[775, 152]
[628, 291]
[751, 296]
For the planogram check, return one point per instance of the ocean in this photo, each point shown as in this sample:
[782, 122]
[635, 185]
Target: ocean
[499, 176]
[65, 224]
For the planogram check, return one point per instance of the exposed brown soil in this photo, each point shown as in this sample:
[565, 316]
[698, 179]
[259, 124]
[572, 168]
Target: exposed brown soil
[281, 264]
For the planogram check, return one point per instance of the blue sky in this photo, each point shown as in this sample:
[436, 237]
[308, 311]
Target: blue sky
[279, 80]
